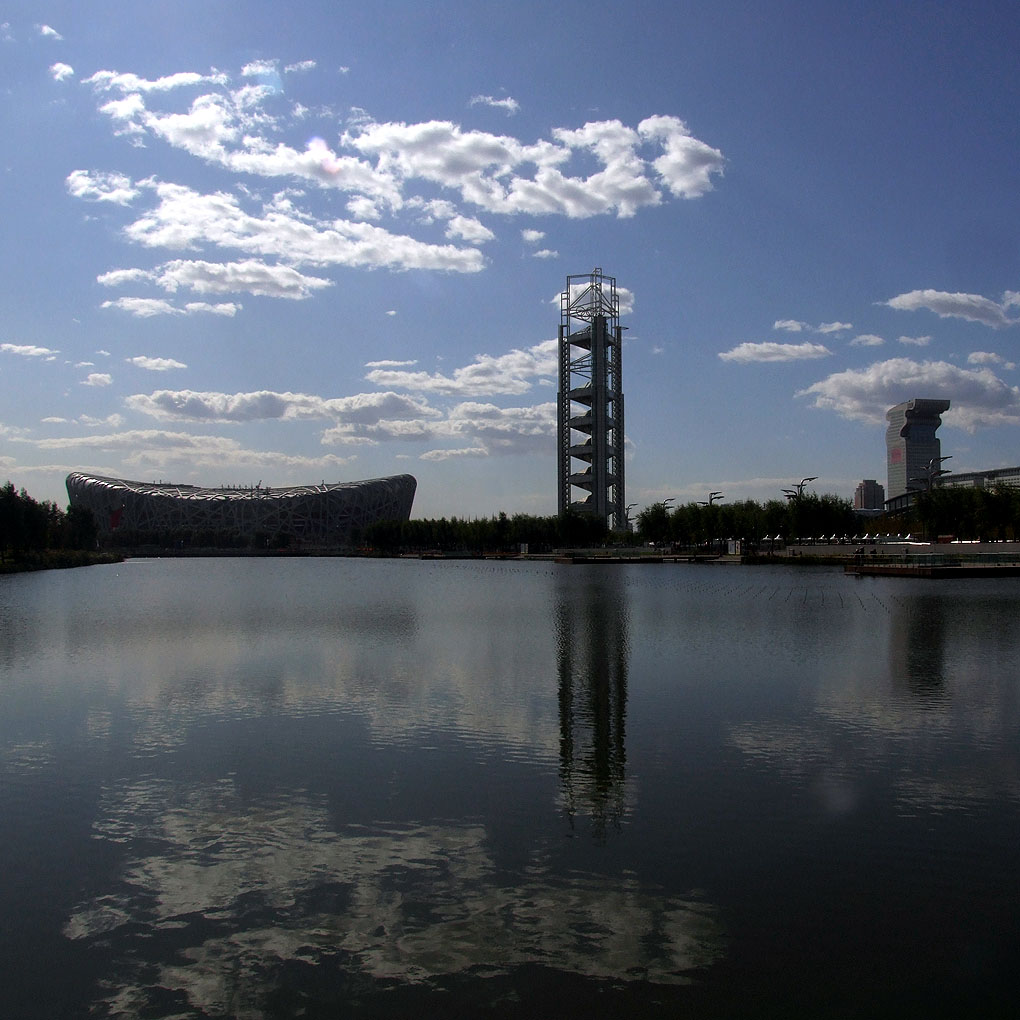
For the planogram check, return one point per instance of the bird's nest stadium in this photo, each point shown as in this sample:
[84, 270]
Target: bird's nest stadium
[326, 515]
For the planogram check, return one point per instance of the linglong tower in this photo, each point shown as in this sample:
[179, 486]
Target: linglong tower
[590, 400]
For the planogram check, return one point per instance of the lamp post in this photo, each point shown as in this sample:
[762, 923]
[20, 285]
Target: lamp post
[932, 472]
[795, 495]
[797, 491]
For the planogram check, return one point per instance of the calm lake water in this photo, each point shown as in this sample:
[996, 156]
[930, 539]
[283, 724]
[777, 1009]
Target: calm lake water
[345, 788]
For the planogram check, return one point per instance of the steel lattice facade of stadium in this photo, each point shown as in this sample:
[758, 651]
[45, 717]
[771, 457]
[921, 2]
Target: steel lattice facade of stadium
[321, 515]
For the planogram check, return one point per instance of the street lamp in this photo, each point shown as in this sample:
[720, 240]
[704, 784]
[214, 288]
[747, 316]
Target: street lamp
[933, 470]
[626, 517]
[798, 487]
[712, 497]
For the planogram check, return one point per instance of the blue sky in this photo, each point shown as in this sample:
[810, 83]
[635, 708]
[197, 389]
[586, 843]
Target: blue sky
[245, 242]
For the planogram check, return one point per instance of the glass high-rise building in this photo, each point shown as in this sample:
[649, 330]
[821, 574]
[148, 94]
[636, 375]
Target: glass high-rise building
[912, 448]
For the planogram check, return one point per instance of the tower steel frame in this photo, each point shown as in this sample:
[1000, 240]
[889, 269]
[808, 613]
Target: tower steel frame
[589, 401]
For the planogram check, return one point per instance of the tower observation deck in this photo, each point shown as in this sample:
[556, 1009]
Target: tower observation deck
[589, 402]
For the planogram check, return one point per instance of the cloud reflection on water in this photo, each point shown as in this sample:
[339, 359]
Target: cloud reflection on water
[218, 893]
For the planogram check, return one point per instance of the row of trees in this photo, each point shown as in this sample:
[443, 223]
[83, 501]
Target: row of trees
[28, 527]
[966, 513]
[487, 534]
[695, 524]
[988, 514]
[690, 525]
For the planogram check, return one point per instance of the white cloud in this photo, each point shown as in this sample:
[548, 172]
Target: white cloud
[748, 353]
[98, 379]
[143, 308]
[509, 104]
[485, 430]
[988, 358]
[978, 396]
[390, 364]
[361, 409]
[467, 451]
[972, 307]
[545, 253]
[110, 421]
[250, 276]
[510, 373]
[481, 165]
[125, 112]
[467, 228]
[95, 186]
[49, 33]
[258, 68]
[61, 72]
[482, 428]
[796, 326]
[503, 429]
[362, 208]
[187, 219]
[386, 170]
[119, 277]
[687, 165]
[867, 340]
[151, 450]
[155, 364]
[229, 308]
[147, 308]
[28, 350]
[113, 81]
[914, 341]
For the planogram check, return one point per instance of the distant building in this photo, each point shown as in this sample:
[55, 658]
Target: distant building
[982, 479]
[319, 515]
[869, 495]
[912, 446]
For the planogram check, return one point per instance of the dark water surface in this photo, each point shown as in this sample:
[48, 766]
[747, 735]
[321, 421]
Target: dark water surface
[344, 788]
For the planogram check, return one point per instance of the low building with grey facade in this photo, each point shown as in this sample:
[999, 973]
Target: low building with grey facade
[324, 515]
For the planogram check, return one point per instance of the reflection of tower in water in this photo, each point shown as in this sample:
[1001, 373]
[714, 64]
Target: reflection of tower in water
[917, 647]
[592, 652]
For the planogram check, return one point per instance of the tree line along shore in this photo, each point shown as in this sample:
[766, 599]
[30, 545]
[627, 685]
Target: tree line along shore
[40, 536]
[37, 535]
